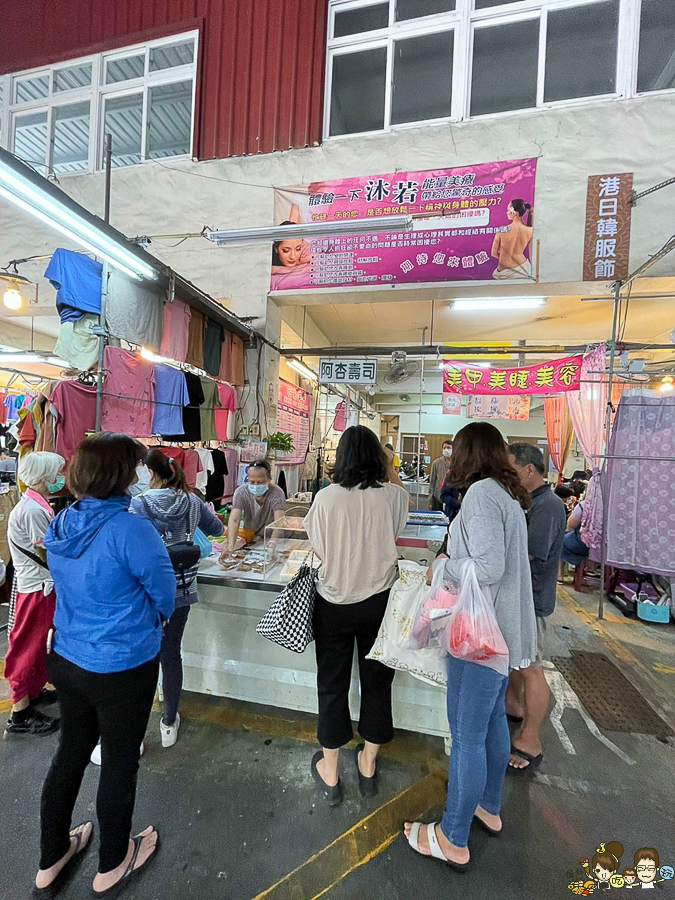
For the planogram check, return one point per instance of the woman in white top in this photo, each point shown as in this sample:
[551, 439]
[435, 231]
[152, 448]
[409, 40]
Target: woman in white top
[353, 526]
[26, 660]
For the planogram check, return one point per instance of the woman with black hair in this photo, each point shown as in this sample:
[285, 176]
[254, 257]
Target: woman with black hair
[176, 513]
[353, 526]
[509, 246]
[288, 256]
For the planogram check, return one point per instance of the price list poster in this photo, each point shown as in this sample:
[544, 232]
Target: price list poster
[293, 418]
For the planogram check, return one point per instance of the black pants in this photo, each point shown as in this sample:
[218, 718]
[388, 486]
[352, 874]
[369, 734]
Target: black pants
[336, 627]
[117, 707]
[172, 662]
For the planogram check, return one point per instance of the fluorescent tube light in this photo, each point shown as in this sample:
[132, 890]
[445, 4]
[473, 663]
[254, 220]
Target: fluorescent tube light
[494, 303]
[302, 369]
[154, 357]
[32, 358]
[25, 194]
[310, 229]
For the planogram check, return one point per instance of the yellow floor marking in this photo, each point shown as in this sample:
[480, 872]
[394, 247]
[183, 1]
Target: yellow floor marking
[236, 716]
[5, 705]
[617, 648]
[361, 862]
[357, 846]
[665, 670]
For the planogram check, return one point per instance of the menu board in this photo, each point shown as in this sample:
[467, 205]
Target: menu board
[293, 418]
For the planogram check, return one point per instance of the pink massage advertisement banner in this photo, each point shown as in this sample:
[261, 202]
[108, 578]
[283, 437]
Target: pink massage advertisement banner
[479, 228]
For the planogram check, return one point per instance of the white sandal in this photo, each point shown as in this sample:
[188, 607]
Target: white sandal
[434, 846]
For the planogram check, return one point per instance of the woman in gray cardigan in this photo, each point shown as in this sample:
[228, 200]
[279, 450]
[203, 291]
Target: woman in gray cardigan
[492, 531]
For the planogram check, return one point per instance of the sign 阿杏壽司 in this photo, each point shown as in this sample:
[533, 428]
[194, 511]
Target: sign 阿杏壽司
[471, 223]
[347, 371]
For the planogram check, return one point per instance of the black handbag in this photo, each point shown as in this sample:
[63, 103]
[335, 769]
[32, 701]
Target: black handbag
[288, 621]
[184, 555]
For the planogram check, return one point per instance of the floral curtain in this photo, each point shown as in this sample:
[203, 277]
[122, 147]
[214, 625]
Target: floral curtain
[558, 430]
[639, 486]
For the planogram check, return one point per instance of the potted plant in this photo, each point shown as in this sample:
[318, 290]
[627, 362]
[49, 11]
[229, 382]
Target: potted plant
[281, 443]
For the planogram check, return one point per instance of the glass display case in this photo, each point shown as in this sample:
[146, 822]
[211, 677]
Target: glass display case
[286, 547]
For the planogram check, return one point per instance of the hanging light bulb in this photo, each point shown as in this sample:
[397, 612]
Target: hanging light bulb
[667, 384]
[12, 299]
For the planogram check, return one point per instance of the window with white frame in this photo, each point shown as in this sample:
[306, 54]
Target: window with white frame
[143, 96]
[400, 62]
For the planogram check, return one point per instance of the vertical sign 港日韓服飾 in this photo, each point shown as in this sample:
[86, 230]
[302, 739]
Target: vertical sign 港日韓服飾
[607, 234]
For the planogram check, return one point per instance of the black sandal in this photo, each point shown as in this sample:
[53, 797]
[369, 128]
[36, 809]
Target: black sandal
[532, 761]
[67, 872]
[332, 793]
[368, 787]
[130, 871]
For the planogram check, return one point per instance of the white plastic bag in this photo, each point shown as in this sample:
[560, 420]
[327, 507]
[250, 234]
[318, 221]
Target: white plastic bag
[435, 611]
[473, 633]
[393, 645]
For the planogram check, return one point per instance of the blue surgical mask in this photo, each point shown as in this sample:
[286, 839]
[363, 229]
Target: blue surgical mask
[258, 489]
[57, 486]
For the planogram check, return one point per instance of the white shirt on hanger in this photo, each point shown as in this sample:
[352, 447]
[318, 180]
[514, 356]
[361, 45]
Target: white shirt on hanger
[207, 467]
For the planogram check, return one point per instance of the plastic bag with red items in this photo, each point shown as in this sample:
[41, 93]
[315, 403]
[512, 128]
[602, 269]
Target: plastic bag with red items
[473, 633]
[435, 611]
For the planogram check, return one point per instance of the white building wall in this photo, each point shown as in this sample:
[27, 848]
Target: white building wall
[181, 197]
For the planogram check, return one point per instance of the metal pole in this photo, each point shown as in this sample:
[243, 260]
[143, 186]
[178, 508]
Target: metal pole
[419, 424]
[616, 287]
[102, 329]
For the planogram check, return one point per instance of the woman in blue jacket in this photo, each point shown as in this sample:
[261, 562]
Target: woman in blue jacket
[115, 587]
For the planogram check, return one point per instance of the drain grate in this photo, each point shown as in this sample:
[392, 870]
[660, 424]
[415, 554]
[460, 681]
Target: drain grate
[610, 699]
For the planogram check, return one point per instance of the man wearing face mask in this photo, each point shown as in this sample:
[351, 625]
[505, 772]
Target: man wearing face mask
[439, 469]
[260, 502]
[26, 660]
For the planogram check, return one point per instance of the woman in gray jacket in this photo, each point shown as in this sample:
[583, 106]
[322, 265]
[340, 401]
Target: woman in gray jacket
[490, 530]
[175, 512]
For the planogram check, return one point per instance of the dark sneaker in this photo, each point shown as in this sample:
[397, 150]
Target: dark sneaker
[36, 723]
[44, 698]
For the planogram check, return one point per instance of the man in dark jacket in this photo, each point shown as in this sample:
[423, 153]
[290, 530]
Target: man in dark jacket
[528, 694]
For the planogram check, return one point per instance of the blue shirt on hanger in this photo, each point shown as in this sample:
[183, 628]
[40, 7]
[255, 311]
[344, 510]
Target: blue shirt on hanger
[171, 395]
[77, 280]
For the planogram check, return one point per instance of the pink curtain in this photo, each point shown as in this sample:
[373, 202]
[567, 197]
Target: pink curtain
[588, 405]
[587, 409]
[558, 430]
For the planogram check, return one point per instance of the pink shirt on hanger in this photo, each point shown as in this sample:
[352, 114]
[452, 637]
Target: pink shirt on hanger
[75, 405]
[228, 404]
[128, 393]
[176, 329]
[192, 468]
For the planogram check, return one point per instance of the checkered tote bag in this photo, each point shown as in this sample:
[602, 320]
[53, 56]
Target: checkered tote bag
[288, 621]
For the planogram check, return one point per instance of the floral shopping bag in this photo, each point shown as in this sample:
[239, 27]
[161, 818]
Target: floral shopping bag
[393, 645]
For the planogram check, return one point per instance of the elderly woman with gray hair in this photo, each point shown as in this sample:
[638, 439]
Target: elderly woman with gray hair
[26, 660]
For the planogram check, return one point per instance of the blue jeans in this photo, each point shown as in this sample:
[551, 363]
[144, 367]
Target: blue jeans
[480, 746]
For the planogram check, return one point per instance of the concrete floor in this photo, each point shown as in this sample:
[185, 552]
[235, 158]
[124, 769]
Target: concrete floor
[240, 819]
